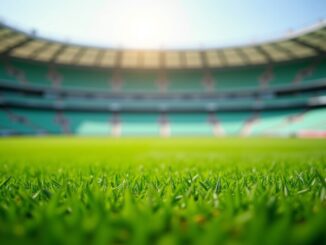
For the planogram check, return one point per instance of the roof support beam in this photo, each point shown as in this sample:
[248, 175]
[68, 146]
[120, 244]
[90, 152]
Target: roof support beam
[99, 56]
[182, 58]
[320, 36]
[118, 59]
[284, 50]
[222, 57]
[140, 59]
[265, 54]
[162, 59]
[203, 60]
[7, 35]
[243, 56]
[308, 45]
[7, 51]
[57, 53]
[39, 50]
[78, 56]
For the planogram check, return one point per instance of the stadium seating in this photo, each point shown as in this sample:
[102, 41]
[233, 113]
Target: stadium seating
[85, 79]
[89, 123]
[269, 122]
[232, 122]
[34, 73]
[5, 75]
[299, 99]
[310, 120]
[279, 122]
[139, 81]
[177, 81]
[319, 72]
[239, 79]
[12, 123]
[139, 124]
[189, 124]
[193, 118]
[185, 81]
[285, 74]
[43, 120]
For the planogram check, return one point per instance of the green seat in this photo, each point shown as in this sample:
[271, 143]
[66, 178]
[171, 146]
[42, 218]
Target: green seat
[269, 122]
[285, 74]
[232, 122]
[89, 123]
[140, 124]
[34, 73]
[190, 81]
[318, 73]
[239, 79]
[42, 119]
[142, 81]
[189, 124]
[4, 75]
[85, 79]
[311, 120]
[14, 126]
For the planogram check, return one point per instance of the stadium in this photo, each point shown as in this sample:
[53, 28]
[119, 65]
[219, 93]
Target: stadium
[111, 145]
[272, 88]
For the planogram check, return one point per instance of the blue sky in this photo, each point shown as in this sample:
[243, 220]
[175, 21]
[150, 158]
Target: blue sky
[161, 23]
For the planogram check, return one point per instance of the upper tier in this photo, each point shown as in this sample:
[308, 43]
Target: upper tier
[293, 75]
[303, 44]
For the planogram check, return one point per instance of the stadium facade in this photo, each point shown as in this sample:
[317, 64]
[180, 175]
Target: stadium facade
[274, 88]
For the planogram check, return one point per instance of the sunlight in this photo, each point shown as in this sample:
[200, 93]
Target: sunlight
[146, 28]
[144, 24]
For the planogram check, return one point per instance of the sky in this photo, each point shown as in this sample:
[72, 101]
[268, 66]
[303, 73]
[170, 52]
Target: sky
[161, 23]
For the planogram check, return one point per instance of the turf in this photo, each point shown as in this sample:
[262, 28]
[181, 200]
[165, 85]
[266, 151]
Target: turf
[162, 191]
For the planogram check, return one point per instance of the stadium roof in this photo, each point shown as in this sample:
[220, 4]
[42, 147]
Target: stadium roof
[307, 43]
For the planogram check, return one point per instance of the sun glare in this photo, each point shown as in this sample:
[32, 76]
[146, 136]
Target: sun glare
[144, 23]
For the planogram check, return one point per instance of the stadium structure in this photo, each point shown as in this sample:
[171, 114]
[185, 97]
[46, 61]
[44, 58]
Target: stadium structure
[276, 87]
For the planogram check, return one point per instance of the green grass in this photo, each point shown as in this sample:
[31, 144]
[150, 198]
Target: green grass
[156, 191]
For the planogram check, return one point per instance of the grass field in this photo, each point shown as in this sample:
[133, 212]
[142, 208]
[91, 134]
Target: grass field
[162, 191]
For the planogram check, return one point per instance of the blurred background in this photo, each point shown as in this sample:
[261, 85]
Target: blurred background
[163, 68]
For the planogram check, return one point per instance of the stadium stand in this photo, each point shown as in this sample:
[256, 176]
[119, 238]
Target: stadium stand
[310, 120]
[140, 81]
[269, 122]
[33, 73]
[12, 123]
[185, 81]
[239, 79]
[178, 81]
[88, 123]
[233, 122]
[85, 79]
[273, 88]
[189, 124]
[286, 74]
[5, 74]
[43, 120]
[140, 124]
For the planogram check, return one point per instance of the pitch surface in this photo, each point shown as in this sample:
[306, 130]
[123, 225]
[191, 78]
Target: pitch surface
[162, 191]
